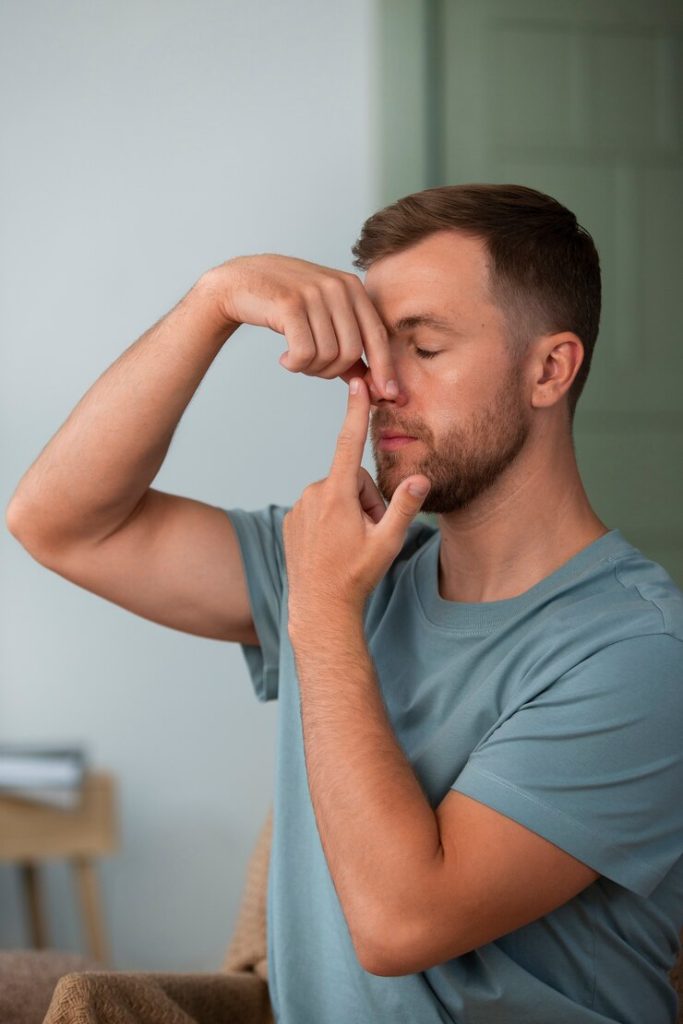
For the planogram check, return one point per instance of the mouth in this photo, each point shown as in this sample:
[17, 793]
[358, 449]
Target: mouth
[391, 442]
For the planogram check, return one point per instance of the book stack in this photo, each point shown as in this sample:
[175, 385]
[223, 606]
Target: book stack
[44, 775]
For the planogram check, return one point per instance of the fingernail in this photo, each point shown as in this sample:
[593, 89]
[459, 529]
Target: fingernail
[392, 388]
[419, 490]
[353, 386]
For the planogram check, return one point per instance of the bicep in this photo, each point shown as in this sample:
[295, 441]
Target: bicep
[175, 561]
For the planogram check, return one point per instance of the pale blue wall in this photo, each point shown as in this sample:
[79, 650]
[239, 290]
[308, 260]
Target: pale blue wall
[143, 143]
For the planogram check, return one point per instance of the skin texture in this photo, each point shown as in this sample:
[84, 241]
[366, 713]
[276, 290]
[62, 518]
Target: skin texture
[469, 404]
[467, 459]
[420, 885]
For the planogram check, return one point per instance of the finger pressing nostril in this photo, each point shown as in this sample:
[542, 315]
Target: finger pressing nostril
[374, 393]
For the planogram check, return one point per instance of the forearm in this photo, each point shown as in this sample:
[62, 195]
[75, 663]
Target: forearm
[378, 830]
[102, 460]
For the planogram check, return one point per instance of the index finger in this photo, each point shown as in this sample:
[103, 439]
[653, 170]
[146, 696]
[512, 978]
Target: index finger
[359, 369]
[348, 454]
[376, 343]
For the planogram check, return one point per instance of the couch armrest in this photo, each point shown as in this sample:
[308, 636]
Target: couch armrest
[28, 978]
[145, 997]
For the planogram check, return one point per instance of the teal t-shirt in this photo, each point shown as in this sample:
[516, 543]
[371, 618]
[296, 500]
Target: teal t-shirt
[561, 708]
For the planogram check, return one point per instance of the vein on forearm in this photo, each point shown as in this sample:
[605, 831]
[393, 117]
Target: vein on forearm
[378, 831]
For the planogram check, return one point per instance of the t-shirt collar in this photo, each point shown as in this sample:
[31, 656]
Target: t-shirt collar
[481, 616]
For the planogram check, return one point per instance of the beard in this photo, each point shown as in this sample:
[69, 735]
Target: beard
[467, 461]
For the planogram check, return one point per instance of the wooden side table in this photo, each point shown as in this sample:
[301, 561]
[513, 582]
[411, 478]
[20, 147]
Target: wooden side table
[32, 832]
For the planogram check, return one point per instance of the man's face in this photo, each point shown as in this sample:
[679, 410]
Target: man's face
[465, 404]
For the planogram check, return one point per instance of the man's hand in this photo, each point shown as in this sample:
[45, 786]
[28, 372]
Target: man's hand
[339, 537]
[326, 316]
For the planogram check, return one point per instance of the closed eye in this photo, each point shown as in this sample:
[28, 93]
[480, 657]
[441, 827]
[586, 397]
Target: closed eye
[423, 353]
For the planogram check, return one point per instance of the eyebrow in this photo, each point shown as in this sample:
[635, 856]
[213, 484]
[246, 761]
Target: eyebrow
[407, 323]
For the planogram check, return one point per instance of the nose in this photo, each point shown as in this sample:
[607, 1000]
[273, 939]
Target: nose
[376, 398]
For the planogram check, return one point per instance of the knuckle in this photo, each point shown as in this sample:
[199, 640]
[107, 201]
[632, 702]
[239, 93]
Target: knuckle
[293, 304]
[313, 487]
[329, 502]
[300, 354]
[298, 362]
[354, 351]
[328, 349]
[353, 280]
[345, 439]
[310, 371]
[310, 291]
[316, 366]
[350, 355]
[333, 285]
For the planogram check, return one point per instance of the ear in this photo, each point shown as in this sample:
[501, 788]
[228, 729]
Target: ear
[555, 363]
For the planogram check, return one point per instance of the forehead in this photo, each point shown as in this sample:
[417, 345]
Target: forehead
[447, 271]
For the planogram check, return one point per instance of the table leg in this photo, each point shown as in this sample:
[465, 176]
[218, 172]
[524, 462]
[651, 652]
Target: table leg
[31, 886]
[86, 880]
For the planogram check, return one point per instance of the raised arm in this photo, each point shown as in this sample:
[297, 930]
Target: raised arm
[86, 509]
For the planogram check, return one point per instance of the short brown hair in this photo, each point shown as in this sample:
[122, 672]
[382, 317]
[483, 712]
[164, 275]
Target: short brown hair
[544, 267]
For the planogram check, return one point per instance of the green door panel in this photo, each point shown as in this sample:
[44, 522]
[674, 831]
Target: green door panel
[583, 100]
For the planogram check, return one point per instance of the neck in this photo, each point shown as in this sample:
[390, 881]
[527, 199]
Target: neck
[534, 519]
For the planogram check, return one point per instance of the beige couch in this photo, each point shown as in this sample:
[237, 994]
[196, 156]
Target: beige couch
[51, 987]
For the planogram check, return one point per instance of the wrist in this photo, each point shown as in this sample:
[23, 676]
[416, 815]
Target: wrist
[210, 292]
[323, 621]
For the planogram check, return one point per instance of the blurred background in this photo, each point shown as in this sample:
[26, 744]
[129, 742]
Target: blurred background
[144, 143]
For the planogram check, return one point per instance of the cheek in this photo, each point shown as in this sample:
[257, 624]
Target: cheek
[457, 394]
[480, 382]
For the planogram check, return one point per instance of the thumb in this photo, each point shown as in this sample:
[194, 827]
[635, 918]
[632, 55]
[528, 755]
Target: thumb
[418, 488]
[403, 507]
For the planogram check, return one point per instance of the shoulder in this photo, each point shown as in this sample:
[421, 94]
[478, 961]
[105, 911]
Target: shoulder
[649, 590]
[632, 628]
[621, 596]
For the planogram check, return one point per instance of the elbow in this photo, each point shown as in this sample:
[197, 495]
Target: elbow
[17, 519]
[389, 951]
[409, 947]
[16, 523]
[13, 518]
[389, 963]
[385, 968]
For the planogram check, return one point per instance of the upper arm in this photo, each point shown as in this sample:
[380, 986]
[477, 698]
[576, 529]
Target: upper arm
[491, 876]
[175, 561]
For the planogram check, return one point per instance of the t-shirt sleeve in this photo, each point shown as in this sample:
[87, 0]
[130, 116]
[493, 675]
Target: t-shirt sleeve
[594, 762]
[259, 534]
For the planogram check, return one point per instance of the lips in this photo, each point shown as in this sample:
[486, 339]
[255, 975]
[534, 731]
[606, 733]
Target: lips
[389, 442]
[386, 435]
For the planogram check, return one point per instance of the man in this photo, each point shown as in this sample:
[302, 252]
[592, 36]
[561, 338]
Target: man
[478, 811]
